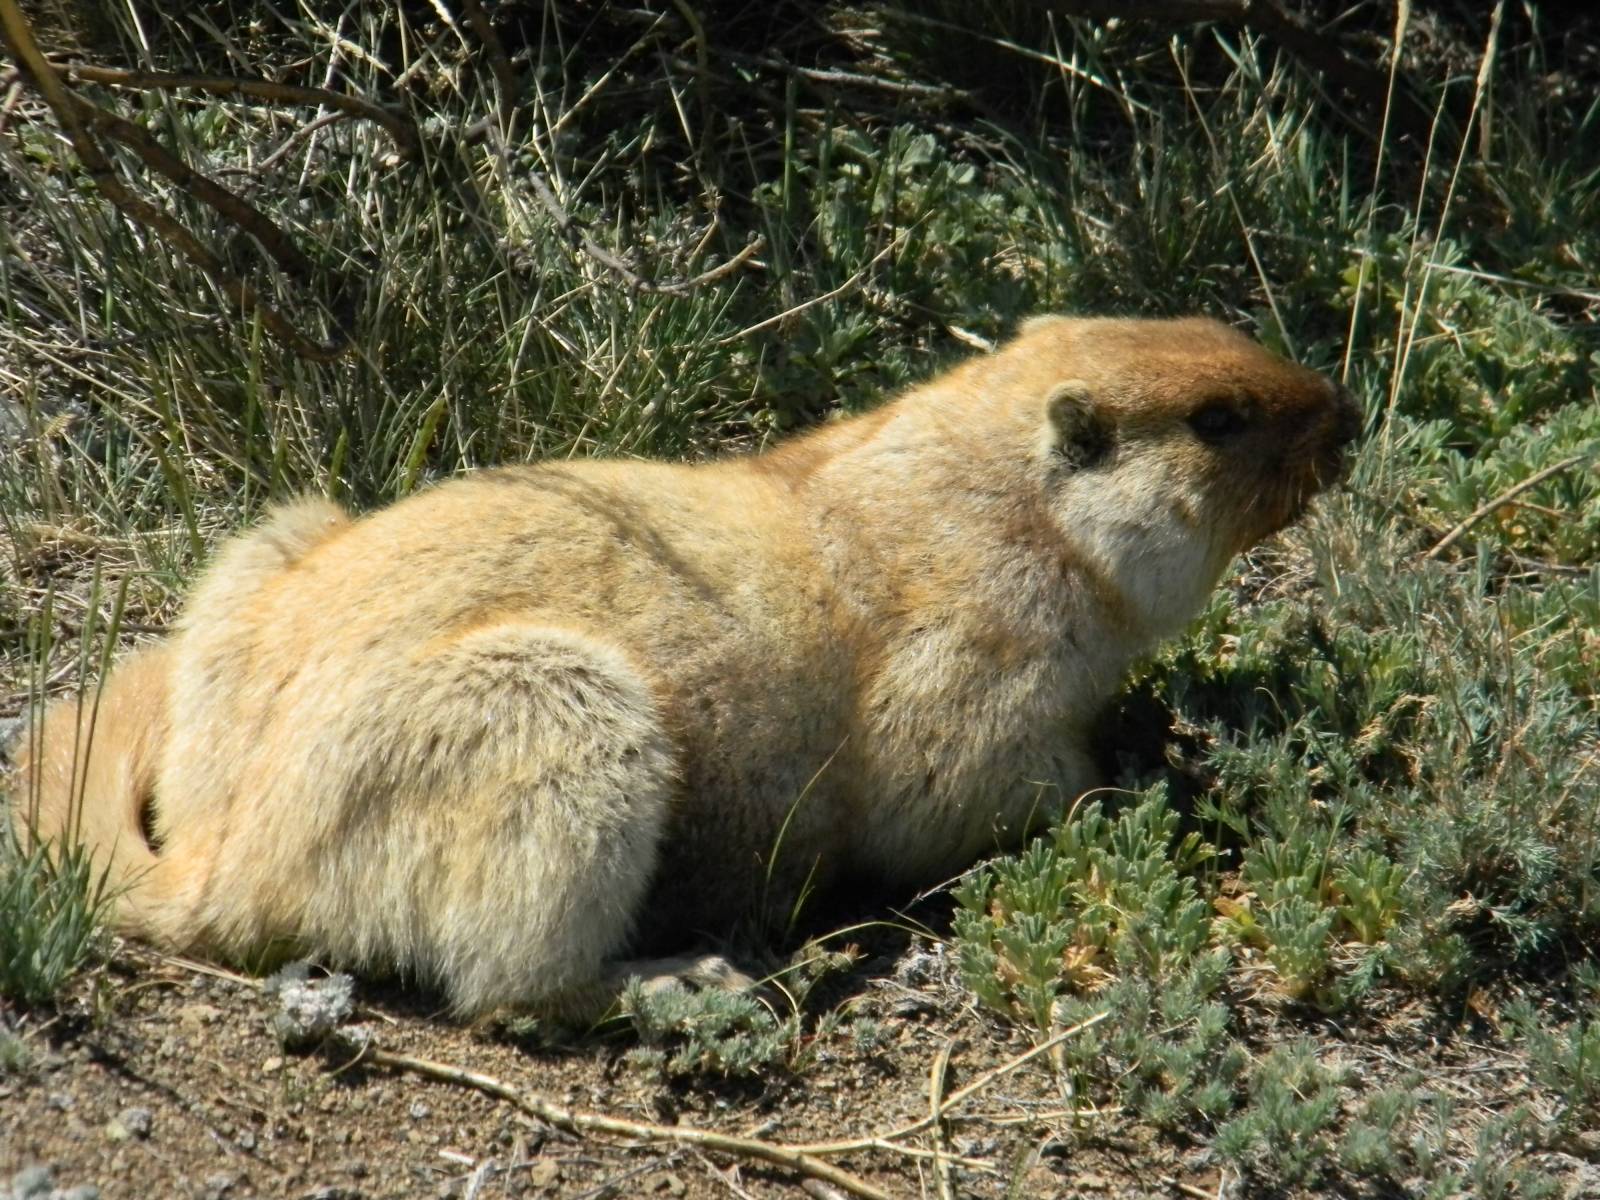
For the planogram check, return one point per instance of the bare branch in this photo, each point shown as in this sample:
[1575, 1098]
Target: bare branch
[402, 130]
[581, 1122]
[499, 62]
[1511, 493]
[237, 209]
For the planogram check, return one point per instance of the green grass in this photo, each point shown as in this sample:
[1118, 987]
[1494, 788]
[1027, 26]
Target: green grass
[1364, 774]
[51, 906]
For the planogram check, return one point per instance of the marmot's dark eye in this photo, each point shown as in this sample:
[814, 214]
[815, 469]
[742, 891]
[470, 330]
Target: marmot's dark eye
[1216, 422]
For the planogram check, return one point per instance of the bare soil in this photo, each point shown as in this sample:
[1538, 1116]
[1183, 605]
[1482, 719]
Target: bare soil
[160, 1077]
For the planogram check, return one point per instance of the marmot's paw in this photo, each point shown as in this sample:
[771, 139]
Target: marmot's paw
[696, 972]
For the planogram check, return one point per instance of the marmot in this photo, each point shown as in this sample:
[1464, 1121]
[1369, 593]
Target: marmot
[484, 735]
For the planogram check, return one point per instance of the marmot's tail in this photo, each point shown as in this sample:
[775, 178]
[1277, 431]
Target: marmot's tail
[86, 775]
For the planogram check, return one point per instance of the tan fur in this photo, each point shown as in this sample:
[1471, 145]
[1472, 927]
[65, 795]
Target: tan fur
[492, 733]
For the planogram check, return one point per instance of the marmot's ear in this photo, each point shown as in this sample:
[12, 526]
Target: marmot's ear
[1078, 431]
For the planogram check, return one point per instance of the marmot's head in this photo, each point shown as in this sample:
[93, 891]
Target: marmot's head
[1170, 446]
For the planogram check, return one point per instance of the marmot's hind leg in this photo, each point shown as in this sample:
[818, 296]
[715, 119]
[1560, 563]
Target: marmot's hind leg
[521, 778]
[702, 972]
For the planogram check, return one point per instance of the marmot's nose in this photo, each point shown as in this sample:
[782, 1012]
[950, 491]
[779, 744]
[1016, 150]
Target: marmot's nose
[1348, 417]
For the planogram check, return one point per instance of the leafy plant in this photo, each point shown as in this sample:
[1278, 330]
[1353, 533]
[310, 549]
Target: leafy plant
[1100, 891]
[1286, 1132]
[682, 1032]
[1370, 890]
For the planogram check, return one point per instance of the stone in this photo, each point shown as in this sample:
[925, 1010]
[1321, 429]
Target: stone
[137, 1120]
[545, 1173]
[32, 1183]
[198, 1014]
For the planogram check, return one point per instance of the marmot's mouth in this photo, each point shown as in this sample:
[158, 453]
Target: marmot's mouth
[1287, 496]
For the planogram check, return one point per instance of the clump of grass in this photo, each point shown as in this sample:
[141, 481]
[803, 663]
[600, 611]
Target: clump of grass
[16, 1055]
[1564, 1059]
[1173, 1049]
[52, 902]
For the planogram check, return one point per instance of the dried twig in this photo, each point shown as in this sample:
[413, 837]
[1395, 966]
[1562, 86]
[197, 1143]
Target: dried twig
[289, 143]
[1484, 509]
[936, 1077]
[829, 75]
[402, 130]
[581, 1122]
[848, 285]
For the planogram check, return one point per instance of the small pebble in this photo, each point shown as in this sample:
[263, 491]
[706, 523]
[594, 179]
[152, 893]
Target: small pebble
[918, 967]
[137, 1120]
[198, 1014]
[913, 1005]
[545, 1173]
[420, 1111]
[32, 1183]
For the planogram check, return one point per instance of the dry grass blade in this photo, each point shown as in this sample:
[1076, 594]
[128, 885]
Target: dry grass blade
[986, 1080]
